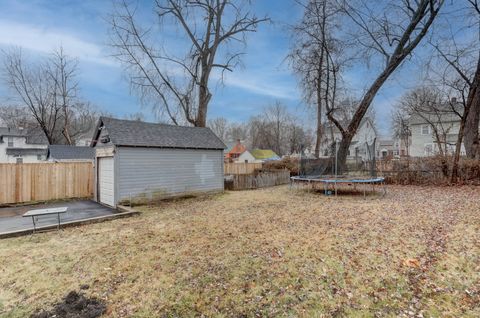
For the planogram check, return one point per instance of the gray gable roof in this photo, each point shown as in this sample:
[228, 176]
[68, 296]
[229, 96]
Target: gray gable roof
[34, 136]
[26, 151]
[63, 152]
[7, 131]
[142, 134]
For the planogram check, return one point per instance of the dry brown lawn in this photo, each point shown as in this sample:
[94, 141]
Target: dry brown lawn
[271, 252]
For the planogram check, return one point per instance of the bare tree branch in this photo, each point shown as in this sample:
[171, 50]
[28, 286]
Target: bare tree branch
[177, 84]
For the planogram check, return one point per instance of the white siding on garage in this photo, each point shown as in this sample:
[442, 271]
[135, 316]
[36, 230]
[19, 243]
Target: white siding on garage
[106, 180]
[160, 172]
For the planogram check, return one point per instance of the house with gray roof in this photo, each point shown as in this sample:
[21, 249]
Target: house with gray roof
[138, 161]
[22, 145]
[67, 153]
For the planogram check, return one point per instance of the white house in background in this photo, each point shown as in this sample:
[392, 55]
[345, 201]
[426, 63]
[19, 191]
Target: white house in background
[366, 134]
[257, 156]
[247, 157]
[424, 143]
[22, 145]
[385, 148]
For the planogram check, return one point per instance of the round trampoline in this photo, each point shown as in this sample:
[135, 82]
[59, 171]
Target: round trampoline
[357, 172]
[332, 183]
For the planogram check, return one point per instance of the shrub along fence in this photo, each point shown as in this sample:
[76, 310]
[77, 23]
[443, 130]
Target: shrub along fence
[45, 181]
[260, 179]
[431, 170]
[435, 170]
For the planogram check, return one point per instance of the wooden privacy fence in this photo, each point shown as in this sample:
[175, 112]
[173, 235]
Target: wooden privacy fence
[260, 180]
[241, 168]
[45, 181]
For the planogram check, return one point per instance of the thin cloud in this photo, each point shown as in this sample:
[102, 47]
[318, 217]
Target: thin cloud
[44, 40]
[261, 85]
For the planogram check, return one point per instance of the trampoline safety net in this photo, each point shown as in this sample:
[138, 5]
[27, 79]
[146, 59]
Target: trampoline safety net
[360, 162]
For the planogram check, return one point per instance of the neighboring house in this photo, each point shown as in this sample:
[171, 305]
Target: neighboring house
[385, 148]
[22, 145]
[264, 155]
[366, 134]
[137, 161]
[247, 157]
[257, 156]
[424, 141]
[234, 152]
[65, 153]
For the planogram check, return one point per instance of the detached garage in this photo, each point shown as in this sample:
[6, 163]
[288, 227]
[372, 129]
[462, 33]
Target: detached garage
[138, 161]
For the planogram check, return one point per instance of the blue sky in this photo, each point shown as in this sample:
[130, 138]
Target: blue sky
[39, 26]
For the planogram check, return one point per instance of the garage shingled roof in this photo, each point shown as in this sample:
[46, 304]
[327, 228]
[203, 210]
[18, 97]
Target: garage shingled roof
[66, 152]
[142, 134]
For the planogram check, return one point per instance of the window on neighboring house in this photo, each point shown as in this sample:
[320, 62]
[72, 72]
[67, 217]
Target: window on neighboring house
[39, 157]
[425, 130]
[19, 160]
[10, 141]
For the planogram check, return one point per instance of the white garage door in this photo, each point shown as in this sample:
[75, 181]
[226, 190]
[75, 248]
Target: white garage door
[105, 180]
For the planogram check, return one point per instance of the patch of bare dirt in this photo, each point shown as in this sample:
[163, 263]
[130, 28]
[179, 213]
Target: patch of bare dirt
[74, 305]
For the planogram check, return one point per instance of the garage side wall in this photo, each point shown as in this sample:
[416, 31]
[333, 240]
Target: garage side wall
[153, 173]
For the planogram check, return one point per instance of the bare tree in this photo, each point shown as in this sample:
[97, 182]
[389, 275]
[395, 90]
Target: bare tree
[82, 119]
[220, 127]
[277, 129]
[47, 91]
[440, 111]
[62, 72]
[456, 66]
[298, 139]
[430, 106]
[316, 58]
[401, 128]
[472, 135]
[388, 33]
[15, 116]
[237, 131]
[277, 117]
[178, 85]
[30, 84]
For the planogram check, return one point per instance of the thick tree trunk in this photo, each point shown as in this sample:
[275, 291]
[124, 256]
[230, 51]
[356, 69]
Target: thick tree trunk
[406, 44]
[66, 123]
[204, 99]
[342, 153]
[471, 140]
[352, 128]
[48, 134]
